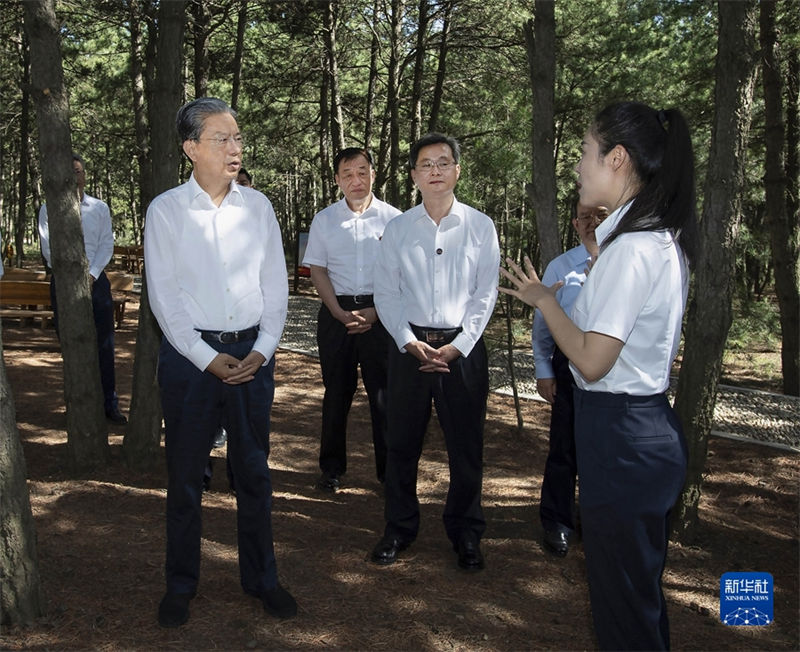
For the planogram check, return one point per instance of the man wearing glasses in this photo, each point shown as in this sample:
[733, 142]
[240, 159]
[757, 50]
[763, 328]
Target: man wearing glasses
[342, 246]
[554, 383]
[435, 289]
[217, 285]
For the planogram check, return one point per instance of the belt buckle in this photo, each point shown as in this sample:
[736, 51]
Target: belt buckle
[358, 299]
[228, 337]
[434, 337]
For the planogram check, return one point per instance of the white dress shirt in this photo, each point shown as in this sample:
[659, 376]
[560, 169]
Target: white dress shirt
[215, 268]
[569, 267]
[441, 276]
[98, 238]
[636, 293]
[346, 244]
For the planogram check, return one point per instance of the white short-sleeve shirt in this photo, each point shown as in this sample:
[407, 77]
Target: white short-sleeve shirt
[636, 292]
[346, 244]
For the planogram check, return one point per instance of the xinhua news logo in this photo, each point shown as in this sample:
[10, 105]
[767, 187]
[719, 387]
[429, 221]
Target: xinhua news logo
[746, 599]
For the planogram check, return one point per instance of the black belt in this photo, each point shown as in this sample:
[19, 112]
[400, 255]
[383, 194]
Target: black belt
[355, 300]
[436, 336]
[230, 337]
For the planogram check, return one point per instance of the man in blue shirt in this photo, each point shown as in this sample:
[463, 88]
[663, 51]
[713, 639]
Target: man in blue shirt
[554, 383]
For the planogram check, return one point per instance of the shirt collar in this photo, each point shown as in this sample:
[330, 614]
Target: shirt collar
[196, 191]
[456, 210]
[608, 225]
[345, 207]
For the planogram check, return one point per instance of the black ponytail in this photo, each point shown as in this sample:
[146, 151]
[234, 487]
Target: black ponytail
[660, 148]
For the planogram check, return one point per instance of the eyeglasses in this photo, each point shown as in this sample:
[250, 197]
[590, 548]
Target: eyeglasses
[442, 166]
[223, 141]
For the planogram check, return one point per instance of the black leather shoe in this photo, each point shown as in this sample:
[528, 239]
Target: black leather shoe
[470, 557]
[115, 416]
[220, 437]
[173, 610]
[386, 551]
[328, 481]
[278, 602]
[556, 541]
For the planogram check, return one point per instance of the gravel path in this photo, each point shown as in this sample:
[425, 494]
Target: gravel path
[746, 414]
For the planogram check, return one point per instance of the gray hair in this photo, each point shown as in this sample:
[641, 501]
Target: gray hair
[192, 116]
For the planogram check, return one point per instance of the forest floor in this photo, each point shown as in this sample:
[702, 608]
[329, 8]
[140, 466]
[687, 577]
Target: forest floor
[101, 538]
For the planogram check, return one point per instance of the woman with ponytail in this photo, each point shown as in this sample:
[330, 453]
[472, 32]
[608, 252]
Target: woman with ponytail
[621, 340]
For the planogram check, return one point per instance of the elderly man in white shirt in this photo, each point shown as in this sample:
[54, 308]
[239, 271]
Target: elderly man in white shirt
[435, 290]
[217, 285]
[98, 239]
[342, 247]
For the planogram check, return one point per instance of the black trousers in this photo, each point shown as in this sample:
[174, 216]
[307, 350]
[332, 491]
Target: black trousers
[558, 485]
[195, 403]
[340, 355]
[460, 400]
[103, 310]
[632, 465]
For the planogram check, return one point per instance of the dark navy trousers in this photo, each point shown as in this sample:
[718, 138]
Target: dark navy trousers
[340, 355]
[194, 404]
[558, 484]
[460, 400]
[632, 464]
[103, 310]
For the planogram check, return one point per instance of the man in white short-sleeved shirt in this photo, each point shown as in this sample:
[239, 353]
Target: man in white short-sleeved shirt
[342, 247]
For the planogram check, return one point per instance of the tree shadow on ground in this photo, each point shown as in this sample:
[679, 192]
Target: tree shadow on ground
[101, 540]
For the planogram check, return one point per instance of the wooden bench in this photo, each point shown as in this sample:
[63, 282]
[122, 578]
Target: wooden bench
[26, 300]
[22, 274]
[130, 257]
[121, 283]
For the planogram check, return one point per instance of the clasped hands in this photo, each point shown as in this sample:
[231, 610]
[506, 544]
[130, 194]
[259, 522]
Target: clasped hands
[433, 360]
[232, 371]
[358, 321]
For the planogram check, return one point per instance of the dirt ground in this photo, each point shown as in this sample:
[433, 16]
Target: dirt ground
[101, 539]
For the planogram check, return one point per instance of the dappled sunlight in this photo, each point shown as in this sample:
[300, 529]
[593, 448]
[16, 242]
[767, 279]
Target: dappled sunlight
[44, 437]
[101, 532]
[42, 363]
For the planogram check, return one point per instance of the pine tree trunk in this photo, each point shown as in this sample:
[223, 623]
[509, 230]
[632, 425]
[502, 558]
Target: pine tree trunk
[24, 136]
[441, 70]
[141, 132]
[792, 92]
[393, 107]
[416, 91]
[710, 312]
[540, 39]
[783, 229]
[143, 435]
[201, 32]
[21, 599]
[369, 110]
[241, 24]
[332, 71]
[87, 431]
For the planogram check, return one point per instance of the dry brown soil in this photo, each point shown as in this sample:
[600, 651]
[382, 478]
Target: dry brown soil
[101, 539]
